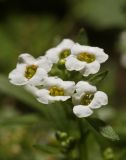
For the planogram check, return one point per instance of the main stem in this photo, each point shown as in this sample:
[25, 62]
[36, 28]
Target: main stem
[82, 143]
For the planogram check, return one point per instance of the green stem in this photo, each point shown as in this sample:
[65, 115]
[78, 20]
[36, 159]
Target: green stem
[82, 143]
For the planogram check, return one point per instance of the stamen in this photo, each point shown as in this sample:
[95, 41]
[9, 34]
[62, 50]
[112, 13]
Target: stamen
[56, 91]
[30, 71]
[65, 53]
[87, 98]
[86, 57]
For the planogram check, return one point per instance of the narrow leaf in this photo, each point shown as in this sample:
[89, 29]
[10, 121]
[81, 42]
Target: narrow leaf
[21, 94]
[108, 132]
[102, 128]
[82, 37]
[96, 79]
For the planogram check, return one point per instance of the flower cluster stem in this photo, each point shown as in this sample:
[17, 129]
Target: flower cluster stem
[82, 144]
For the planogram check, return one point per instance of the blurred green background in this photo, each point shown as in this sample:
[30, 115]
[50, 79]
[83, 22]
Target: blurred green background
[33, 26]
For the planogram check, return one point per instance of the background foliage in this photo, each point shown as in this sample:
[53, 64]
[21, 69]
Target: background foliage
[27, 128]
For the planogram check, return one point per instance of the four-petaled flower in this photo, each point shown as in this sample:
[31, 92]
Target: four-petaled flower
[61, 52]
[55, 89]
[87, 98]
[30, 70]
[85, 59]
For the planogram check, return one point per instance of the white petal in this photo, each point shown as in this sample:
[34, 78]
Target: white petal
[42, 96]
[39, 77]
[44, 63]
[101, 56]
[73, 64]
[31, 89]
[18, 79]
[26, 58]
[58, 98]
[83, 87]
[77, 48]
[82, 111]
[66, 44]
[52, 81]
[91, 68]
[53, 54]
[16, 76]
[100, 98]
[69, 87]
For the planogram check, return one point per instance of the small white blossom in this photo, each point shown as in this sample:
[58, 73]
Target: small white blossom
[87, 98]
[55, 89]
[30, 70]
[85, 59]
[61, 51]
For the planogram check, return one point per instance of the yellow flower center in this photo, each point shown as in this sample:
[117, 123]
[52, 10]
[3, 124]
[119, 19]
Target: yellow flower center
[86, 57]
[64, 54]
[56, 91]
[87, 98]
[30, 71]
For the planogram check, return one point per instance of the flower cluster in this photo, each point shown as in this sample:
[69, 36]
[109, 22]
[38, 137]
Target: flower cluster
[34, 74]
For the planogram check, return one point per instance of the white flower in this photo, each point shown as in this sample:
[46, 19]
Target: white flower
[61, 51]
[87, 98]
[55, 89]
[85, 59]
[30, 70]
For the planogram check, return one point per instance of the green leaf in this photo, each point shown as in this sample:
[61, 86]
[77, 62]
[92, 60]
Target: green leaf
[20, 93]
[108, 132]
[55, 113]
[82, 37]
[99, 13]
[98, 78]
[104, 129]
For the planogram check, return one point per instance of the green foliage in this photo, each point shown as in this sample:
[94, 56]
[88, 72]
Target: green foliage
[28, 33]
[24, 34]
[35, 33]
[98, 78]
[104, 129]
[101, 14]
[18, 92]
[93, 146]
[82, 37]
